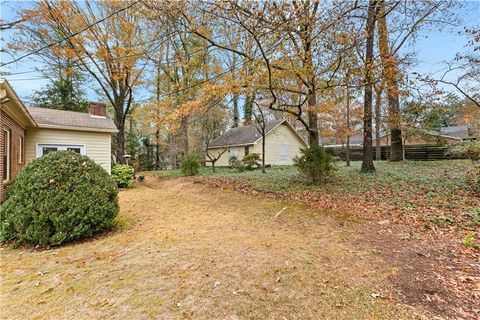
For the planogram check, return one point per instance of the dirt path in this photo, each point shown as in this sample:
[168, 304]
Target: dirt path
[193, 252]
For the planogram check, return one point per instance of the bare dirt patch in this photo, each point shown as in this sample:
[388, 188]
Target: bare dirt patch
[193, 252]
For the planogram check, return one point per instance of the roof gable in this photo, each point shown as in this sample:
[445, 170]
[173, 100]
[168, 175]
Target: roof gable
[248, 135]
[13, 106]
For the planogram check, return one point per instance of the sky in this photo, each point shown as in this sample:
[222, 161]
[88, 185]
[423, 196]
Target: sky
[431, 47]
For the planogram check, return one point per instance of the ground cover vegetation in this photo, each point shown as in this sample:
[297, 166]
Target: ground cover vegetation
[428, 198]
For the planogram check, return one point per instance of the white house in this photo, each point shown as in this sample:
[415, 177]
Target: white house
[29, 133]
[282, 143]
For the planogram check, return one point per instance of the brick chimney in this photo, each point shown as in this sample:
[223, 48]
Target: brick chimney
[98, 109]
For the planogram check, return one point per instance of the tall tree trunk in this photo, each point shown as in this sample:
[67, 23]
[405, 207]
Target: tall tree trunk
[390, 74]
[347, 151]
[157, 149]
[173, 143]
[307, 41]
[184, 135]
[263, 149]
[312, 121]
[120, 141]
[311, 100]
[248, 108]
[236, 115]
[157, 132]
[378, 121]
[367, 163]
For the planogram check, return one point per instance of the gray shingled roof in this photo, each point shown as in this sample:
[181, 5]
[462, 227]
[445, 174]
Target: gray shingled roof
[460, 132]
[69, 119]
[242, 135]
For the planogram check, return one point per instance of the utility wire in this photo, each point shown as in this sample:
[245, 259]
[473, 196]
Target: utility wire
[145, 52]
[70, 36]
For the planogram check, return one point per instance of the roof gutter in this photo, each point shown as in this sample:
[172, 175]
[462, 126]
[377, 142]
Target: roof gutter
[231, 145]
[72, 128]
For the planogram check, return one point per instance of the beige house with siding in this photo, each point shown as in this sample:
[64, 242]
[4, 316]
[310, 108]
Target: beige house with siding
[282, 143]
[89, 134]
[29, 133]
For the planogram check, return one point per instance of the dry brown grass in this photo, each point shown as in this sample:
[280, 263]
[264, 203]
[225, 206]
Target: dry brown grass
[192, 252]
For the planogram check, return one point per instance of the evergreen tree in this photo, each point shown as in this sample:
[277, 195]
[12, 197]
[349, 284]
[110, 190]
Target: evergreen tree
[62, 94]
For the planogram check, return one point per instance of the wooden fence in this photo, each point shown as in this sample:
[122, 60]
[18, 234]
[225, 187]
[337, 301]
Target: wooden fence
[412, 152]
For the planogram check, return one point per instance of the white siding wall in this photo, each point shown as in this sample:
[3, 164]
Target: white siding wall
[223, 161]
[281, 146]
[97, 144]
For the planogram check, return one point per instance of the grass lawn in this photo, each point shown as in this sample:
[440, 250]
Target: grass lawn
[188, 251]
[435, 193]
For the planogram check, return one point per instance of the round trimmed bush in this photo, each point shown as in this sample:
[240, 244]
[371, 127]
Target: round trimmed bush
[57, 198]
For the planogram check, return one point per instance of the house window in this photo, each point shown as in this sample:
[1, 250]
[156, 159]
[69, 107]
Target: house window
[6, 155]
[20, 150]
[44, 149]
[247, 150]
[47, 150]
[75, 149]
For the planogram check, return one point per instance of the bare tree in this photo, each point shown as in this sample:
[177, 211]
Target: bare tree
[213, 122]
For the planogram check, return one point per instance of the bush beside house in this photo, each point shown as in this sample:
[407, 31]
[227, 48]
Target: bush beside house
[252, 160]
[123, 174]
[57, 198]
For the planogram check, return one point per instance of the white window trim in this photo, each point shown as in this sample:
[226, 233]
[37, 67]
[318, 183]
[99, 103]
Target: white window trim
[21, 155]
[61, 147]
[8, 152]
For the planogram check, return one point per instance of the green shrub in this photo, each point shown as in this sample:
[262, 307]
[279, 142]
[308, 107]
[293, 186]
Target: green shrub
[57, 198]
[238, 165]
[467, 150]
[232, 160]
[315, 164]
[252, 160]
[123, 174]
[469, 240]
[190, 165]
